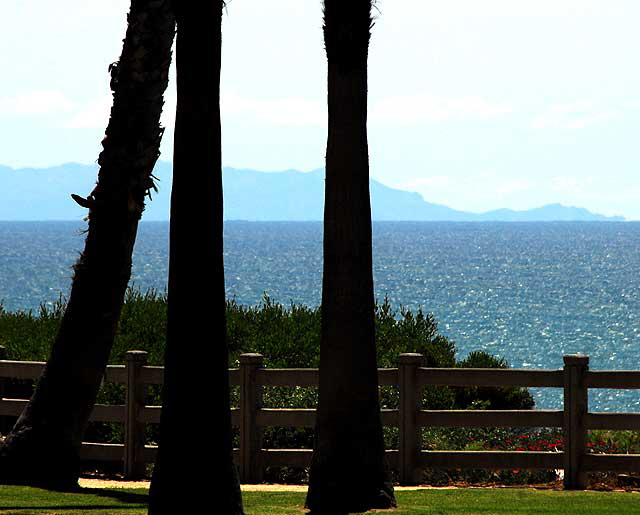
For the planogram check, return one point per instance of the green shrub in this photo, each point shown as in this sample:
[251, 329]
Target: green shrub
[490, 398]
[410, 333]
[28, 337]
[287, 337]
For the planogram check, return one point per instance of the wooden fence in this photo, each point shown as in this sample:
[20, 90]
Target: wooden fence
[410, 376]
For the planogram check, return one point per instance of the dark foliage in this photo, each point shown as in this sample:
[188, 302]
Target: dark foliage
[286, 336]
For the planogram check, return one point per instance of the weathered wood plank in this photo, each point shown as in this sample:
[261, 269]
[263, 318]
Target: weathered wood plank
[490, 418]
[21, 369]
[287, 376]
[310, 376]
[390, 417]
[151, 375]
[409, 430]
[306, 417]
[115, 374]
[387, 377]
[489, 377]
[627, 379]
[235, 417]
[301, 457]
[149, 414]
[611, 462]
[393, 458]
[491, 459]
[102, 451]
[108, 413]
[286, 417]
[12, 407]
[613, 421]
[150, 453]
[286, 457]
[576, 406]
[251, 364]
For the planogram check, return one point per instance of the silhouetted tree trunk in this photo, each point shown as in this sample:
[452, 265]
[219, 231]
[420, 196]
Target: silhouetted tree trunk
[43, 447]
[195, 440]
[349, 471]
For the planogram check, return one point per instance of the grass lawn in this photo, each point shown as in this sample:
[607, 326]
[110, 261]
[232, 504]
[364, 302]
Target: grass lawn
[501, 501]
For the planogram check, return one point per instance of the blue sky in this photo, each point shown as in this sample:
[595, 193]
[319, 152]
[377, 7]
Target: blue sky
[476, 105]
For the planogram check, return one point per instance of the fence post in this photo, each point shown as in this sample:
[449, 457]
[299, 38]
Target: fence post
[575, 410]
[134, 437]
[250, 402]
[4, 421]
[410, 444]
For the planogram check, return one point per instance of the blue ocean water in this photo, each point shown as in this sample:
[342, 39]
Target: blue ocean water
[529, 292]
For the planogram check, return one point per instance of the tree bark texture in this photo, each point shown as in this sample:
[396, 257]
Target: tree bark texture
[43, 447]
[349, 472]
[194, 471]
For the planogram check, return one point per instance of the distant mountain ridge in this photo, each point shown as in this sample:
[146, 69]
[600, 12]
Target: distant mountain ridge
[290, 195]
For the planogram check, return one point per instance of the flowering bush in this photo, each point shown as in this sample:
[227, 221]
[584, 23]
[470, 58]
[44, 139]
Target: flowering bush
[614, 442]
[517, 439]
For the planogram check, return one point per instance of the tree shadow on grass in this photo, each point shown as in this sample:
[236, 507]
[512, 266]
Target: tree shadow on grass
[122, 495]
[130, 500]
[73, 509]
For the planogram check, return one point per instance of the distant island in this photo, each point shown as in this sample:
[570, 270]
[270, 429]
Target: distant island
[32, 194]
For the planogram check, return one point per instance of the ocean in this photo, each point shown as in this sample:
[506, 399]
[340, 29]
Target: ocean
[529, 292]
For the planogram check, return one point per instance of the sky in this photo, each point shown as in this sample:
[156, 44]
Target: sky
[475, 105]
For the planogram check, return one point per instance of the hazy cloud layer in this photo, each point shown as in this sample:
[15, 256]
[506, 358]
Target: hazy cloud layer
[476, 104]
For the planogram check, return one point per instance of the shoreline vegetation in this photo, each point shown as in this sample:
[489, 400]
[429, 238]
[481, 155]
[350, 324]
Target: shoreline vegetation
[288, 337]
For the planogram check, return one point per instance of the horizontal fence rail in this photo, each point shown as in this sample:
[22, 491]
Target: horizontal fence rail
[489, 377]
[410, 377]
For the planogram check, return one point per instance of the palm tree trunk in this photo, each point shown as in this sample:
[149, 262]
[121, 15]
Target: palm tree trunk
[43, 447]
[194, 447]
[349, 471]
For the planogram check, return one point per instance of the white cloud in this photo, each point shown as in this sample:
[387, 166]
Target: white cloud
[288, 111]
[295, 111]
[476, 191]
[92, 115]
[512, 186]
[417, 109]
[569, 184]
[95, 114]
[510, 8]
[168, 117]
[263, 112]
[426, 183]
[250, 111]
[485, 190]
[291, 112]
[39, 102]
[575, 115]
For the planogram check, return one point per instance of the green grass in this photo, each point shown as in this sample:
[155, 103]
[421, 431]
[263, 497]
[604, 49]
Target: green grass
[500, 501]
[102, 501]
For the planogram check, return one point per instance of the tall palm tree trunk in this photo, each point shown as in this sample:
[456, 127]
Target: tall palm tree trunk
[195, 447]
[43, 447]
[348, 471]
